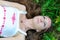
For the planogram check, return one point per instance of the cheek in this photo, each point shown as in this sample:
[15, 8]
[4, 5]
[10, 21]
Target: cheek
[39, 26]
[38, 23]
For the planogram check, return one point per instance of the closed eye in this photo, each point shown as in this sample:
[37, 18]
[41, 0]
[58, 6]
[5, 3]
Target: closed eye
[44, 21]
[44, 17]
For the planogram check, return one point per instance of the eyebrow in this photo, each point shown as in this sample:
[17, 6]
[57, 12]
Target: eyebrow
[44, 21]
[44, 17]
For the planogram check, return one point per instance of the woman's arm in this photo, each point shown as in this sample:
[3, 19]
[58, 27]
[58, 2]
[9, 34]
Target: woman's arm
[17, 37]
[12, 4]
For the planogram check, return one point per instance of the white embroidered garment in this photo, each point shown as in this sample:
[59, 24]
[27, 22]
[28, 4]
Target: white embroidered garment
[9, 21]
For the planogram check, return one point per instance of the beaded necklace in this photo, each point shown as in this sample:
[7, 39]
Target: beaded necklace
[4, 18]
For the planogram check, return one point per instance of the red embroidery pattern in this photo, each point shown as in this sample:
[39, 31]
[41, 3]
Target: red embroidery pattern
[4, 18]
[13, 18]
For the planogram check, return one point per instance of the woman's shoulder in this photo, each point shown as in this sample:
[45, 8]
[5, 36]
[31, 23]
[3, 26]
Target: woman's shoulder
[23, 7]
[13, 4]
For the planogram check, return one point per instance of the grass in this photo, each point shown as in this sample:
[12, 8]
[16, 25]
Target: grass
[51, 8]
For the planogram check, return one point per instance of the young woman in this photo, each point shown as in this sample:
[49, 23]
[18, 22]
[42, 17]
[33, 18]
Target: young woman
[31, 20]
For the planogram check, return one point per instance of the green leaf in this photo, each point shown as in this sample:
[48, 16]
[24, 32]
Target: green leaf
[49, 36]
[37, 1]
[58, 29]
[57, 19]
[46, 37]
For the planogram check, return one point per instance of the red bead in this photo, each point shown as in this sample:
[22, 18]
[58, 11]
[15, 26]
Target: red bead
[4, 10]
[2, 25]
[0, 32]
[4, 18]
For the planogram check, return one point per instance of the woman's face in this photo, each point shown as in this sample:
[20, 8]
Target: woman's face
[41, 22]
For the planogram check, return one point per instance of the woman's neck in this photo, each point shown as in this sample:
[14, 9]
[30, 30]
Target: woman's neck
[28, 24]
